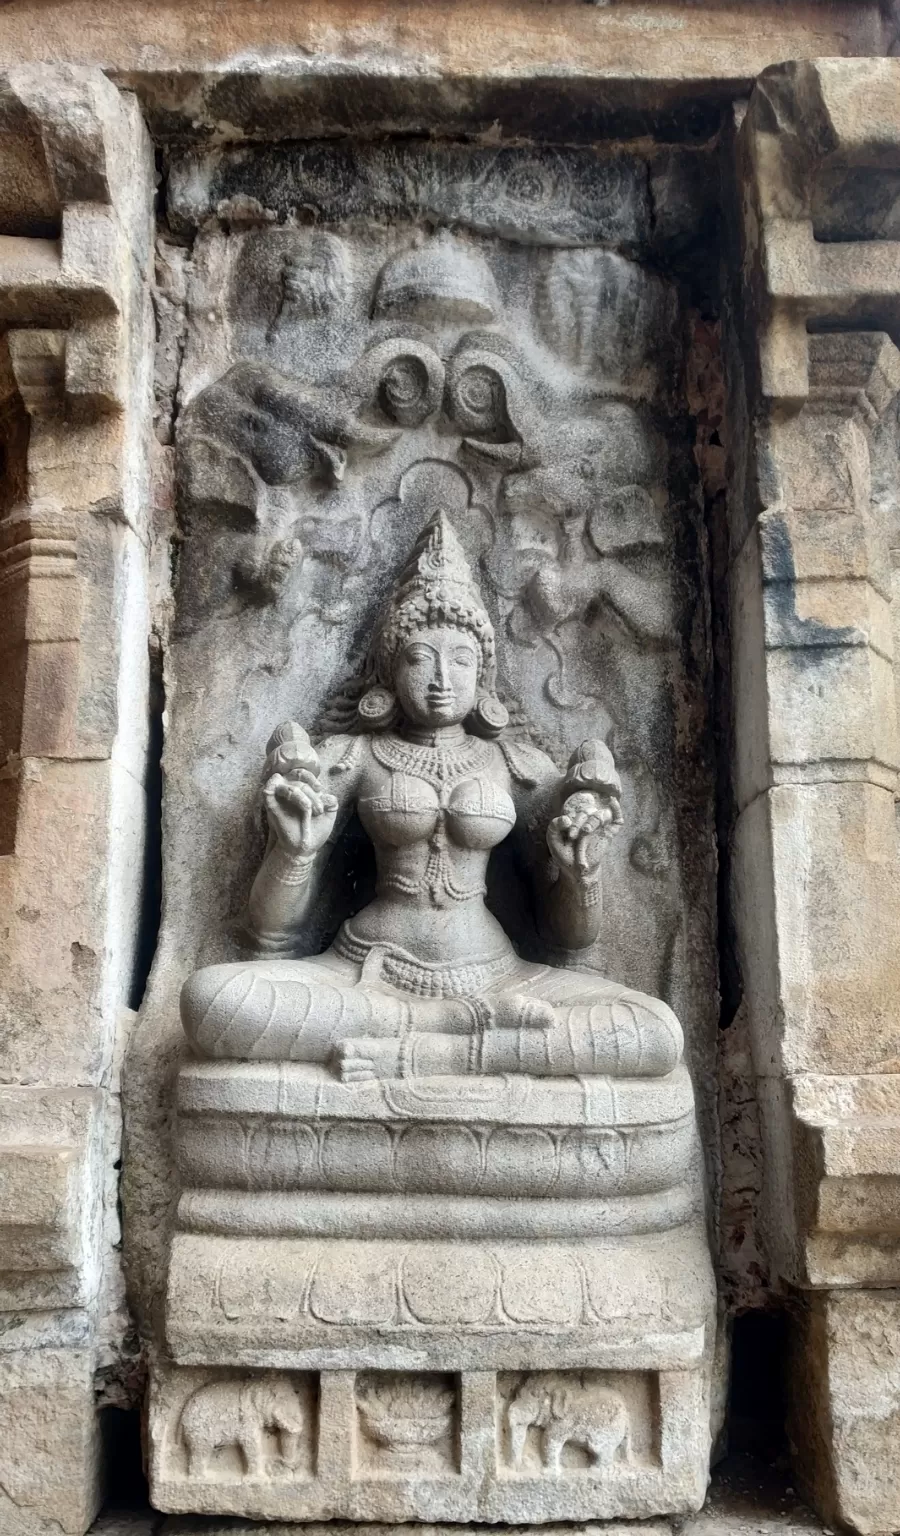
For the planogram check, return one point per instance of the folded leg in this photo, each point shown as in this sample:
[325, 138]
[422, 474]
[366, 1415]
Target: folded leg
[283, 1010]
[301, 1010]
[555, 1024]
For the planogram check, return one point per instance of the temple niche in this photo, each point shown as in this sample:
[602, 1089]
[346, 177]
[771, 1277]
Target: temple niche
[449, 895]
[436, 1184]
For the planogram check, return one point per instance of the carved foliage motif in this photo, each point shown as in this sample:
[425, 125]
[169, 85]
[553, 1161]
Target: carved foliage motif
[545, 1162]
[445, 1285]
[406, 1424]
[539, 196]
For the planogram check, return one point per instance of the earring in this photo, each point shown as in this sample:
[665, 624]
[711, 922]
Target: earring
[377, 708]
[489, 718]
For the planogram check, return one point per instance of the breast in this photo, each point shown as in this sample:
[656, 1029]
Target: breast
[407, 814]
[479, 814]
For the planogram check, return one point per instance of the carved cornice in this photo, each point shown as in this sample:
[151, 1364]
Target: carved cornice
[82, 223]
[815, 135]
[72, 305]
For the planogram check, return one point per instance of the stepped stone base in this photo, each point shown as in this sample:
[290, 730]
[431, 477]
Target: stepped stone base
[398, 1381]
[435, 1299]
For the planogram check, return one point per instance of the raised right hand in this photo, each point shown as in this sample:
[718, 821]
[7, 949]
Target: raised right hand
[300, 812]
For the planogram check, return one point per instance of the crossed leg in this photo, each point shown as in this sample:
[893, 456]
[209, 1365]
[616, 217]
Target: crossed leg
[548, 1023]
[305, 1010]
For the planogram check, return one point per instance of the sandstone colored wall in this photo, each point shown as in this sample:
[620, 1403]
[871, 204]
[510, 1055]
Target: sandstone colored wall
[808, 184]
[76, 362]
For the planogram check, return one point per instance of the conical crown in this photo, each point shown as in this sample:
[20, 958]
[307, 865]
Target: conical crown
[438, 561]
[435, 587]
[442, 280]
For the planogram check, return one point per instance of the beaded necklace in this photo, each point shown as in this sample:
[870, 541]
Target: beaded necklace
[437, 765]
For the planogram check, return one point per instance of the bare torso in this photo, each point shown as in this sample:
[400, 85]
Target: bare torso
[434, 818]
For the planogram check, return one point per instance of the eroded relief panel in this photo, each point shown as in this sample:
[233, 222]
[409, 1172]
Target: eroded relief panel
[338, 383]
[562, 1423]
[439, 853]
[406, 1424]
[545, 1440]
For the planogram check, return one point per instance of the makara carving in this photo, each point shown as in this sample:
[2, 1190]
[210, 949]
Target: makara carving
[423, 980]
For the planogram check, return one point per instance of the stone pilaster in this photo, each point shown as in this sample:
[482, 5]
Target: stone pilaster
[816, 867]
[74, 410]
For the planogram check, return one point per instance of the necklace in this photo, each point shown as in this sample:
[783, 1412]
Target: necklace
[435, 764]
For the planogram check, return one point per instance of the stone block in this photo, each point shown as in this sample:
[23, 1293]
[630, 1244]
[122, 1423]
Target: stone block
[815, 871]
[552, 197]
[207, 1525]
[48, 1162]
[831, 704]
[37, 1193]
[51, 975]
[643, 1298]
[62, 980]
[83, 471]
[455, 72]
[269, 1129]
[824, 460]
[412, 1444]
[49, 1442]
[811, 203]
[798, 544]
[384, 1378]
[833, 1178]
[845, 1408]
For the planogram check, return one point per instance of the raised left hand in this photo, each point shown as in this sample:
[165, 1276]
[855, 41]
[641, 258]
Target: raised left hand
[575, 837]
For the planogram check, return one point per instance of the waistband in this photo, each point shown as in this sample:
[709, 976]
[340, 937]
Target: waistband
[425, 978]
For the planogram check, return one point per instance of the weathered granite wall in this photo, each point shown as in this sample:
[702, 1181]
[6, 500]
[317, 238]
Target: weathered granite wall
[752, 227]
[816, 742]
[77, 362]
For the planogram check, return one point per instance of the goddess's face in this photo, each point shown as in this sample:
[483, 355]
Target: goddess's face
[436, 677]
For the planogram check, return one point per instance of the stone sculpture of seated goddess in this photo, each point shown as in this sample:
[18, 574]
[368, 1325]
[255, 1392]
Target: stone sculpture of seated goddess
[424, 981]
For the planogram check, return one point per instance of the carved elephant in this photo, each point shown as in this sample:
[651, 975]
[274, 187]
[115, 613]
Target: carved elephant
[568, 1412]
[242, 1413]
[256, 422]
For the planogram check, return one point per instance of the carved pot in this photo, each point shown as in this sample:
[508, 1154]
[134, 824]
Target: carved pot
[398, 1432]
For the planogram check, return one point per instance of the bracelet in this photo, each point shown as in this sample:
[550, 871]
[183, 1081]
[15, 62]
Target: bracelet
[290, 868]
[590, 894]
[406, 1056]
[482, 1013]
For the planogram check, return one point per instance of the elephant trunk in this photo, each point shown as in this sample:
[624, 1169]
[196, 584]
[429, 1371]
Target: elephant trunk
[518, 1433]
[289, 1446]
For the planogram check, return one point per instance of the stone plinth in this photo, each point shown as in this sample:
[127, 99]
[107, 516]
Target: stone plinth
[845, 1421]
[434, 1298]
[276, 1127]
